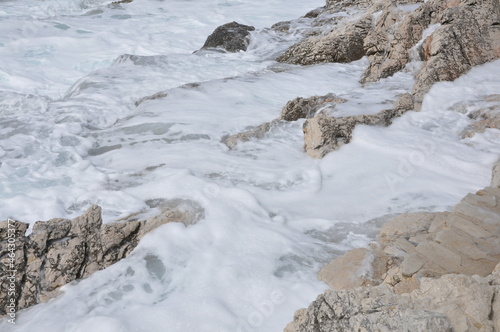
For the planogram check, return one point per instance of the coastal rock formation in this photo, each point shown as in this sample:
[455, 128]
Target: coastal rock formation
[59, 251]
[298, 108]
[232, 37]
[425, 272]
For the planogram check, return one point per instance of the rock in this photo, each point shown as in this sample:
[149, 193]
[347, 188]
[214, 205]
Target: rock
[406, 226]
[344, 44]
[351, 270]
[254, 133]
[294, 110]
[465, 300]
[495, 177]
[232, 37]
[325, 134]
[60, 250]
[366, 309]
[304, 108]
[469, 35]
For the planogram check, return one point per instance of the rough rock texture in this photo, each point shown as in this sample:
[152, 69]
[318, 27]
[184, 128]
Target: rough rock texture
[343, 45]
[365, 309]
[59, 251]
[431, 271]
[232, 37]
[469, 35]
[324, 134]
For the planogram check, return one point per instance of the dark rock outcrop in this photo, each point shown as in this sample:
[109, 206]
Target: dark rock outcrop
[60, 250]
[232, 37]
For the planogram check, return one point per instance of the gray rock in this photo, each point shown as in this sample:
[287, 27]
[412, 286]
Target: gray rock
[495, 176]
[232, 37]
[60, 250]
[304, 108]
[344, 44]
[365, 309]
[325, 134]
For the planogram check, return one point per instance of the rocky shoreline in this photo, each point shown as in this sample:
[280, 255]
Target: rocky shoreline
[425, 271]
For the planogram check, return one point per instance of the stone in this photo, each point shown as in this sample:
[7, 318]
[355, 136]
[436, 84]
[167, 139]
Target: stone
[412, 264]
[324, 134]
[60, 251]
[304, 108]
[350, 270]
[343, 44]
[406, 225]
[465, 300]
[254, 133]
[495, 177]
[469, 35]
[231, 37]
[365, 309]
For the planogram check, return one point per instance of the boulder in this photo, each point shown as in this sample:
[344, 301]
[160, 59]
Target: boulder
[304, 108]
[343, 44]
[232, 37]
[324, 134]
[60, 251]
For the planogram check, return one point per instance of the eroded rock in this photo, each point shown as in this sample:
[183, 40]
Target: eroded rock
[324, 134]
[59, 251]
[232, 37]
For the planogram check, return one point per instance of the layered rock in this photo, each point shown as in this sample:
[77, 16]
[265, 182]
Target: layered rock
[59, 251]
[232, 37]
[425, 272]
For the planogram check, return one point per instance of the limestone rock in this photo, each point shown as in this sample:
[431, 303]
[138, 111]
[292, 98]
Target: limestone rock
[60, 250]
[255, 132]
[495, 177]
[365, 309]
[232, 37]
[469, 35]
[465, 300]
[325, 134]
[304, 108]
[348, 271]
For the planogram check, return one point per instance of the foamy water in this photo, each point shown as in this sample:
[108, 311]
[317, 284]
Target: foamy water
[71, 136]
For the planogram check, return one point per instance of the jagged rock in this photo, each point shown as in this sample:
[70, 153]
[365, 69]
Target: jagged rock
[304, 108]
[256, 132]
[465, 300]
[60, 250]
[325, 134]
[366, 309]
[341, 45]
[469, 35]
[495, 176]
[445, 264]
[232, 37]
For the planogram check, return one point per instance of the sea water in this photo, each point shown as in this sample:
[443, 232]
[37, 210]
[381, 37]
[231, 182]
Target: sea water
[71, 136]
